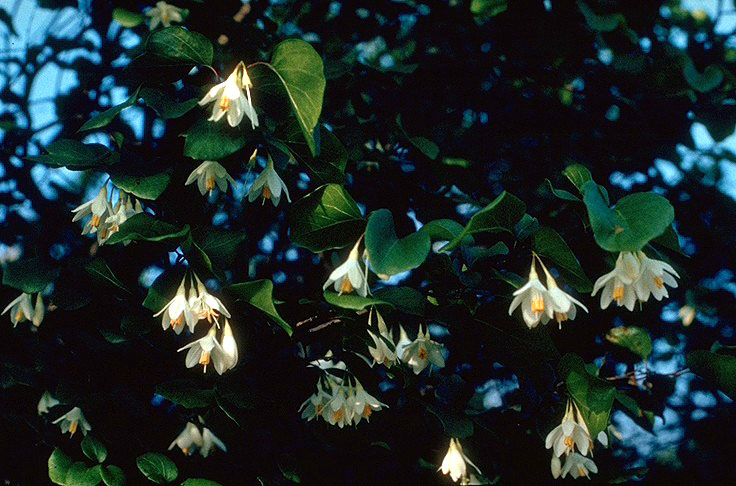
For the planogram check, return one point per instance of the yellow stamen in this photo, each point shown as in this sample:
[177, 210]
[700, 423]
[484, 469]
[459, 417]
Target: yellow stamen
[210, 183]
[224, 103]
[96, 221]
[175, 323]
[618, 293]
[205, 358]
[561, 317]
[658, 282]
[19, 316]
[367, 411]
[346, 287]
[266, 192]
[569, 442]
[422, 354]
[185, 450]
[582, 471]
[73, 427]
[338, 414]
[537, 304]
[318, 409]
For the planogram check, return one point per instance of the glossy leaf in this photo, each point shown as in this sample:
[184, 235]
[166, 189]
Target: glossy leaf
[387, 253]
[126, 18]
[164, 105]
[208, 140]
[144, 227]
[59, 464]
[178, 46]
[94, 449]
[157, 467]
[329, 165]
[549, 244]
[79, 474]
[76, 155]
[633, 338]
[163, 289]
[259, 294]
[112, 476]
[718, 370]
[593, 396]
[30, 275]
[143, 186]
[106, 117]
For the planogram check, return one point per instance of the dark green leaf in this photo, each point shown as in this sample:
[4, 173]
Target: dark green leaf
[101, 272]
[593, 396]
[259, 294]
[455, 424]
[178, 46]
[112, 476]
[79, 474]
[213, 249]
[30, 275]
[488, 8]
[404, 299]
[709, 80]
[645, 418]
[578, 175]
[562, 194]
[326, 218]
[387, 253]
[635, 339]
[353, 301]
[187, 393]
[144, 227]
[76, 155]
[718, 370]
[208, 140]
[669, 240]
[106, 117]
[163, 289]
[445, 230]
[94, 449]
[548, 243]
[199, 482]
[527, 226]
[59, 464]
[600, 23]
[143, 186]
[157, 467]
[329, 165]
[164, 105]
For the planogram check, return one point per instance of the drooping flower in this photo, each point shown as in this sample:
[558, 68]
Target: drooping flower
[22, 309]
[534, 299]
[204, 351]
[209, 441]
[189, 440]
[315, 404]
[571, 432]
[46, 402]
[618, 284]
[205, 305]
[178, 311]
[363, 404]
[164, 14]
[72, 420]
[403, 342]
[268, 185]
[229, 348]
[229, 98]
[654, 275]
[350, 275]
[423, 351]
[97, 207]
[578, 466]
[208, 175]
[123, 210]
[456, 463]
[562, 303]
[381, 351]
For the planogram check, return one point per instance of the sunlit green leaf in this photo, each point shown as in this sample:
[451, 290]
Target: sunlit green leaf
[94, 449]
[144, 227]
[633, 338]
[387, 253]
[593, 396]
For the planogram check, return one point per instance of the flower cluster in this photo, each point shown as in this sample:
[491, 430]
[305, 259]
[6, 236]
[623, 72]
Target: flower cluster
[22, 309]
[106, 217]
[572, 433]
[635, 277]
[339, 401]
[456, 463]
[191, 439]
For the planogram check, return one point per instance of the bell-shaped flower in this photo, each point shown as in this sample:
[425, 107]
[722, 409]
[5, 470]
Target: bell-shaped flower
[349, 276]
[578, 466]
[72, 420]
[229, 348]
[204, 351]
[402, 343]
[571, 432]
[97, 207]
[339, 410]
[46, 402]
[164, 14]
[423, 351]
[456, 463]
[177, 311]
[123, 210]
[535, 300]
[205, 305]
[210, 441]
[189, 440]
[268, 185]
[653, 277]
[381, 351]
[208, 175]
[21, 309]
[229, 99]
[363, 404]
[562, 303]
[315, 404]
[618, 284]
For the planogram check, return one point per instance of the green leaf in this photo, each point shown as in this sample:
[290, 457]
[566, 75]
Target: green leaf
[562, 194]
[144, 227]
[79, 474]
[645, 418]
[213, 249]
[718, 370]
[600, 23]
[112, 476]
[76, 155]
[126, 18]
[387, 253]
[30, 275]
[501, 214]
[299, 70]
[709, 80]
[549, 244]
[578, 175]
[143, 186]
[163, 289]
[404, 299]
[593, 396]
[178, 46]
[488, 8]
[329, 165]
[526, 227]
[59, 464]
[187, 393]
[199, 482]
[456, 425]
[635, 339]
[353, 301]
[326, 218]
[208, 140]
[259, 294]
[106, 117]
[94, 449]
[157, 467]
[164, 105]
[632, 223]
[445, 230]
[101, 272]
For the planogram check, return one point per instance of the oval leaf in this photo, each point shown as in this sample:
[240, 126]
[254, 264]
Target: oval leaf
[30, 275]
[259, 294]
[387, 253]
[144, 227]
[59, 464]
[548, 243]
[112, 476]
[157, 467]
[94, 449]
[718, 370]
[143, 186]
[208, 140]
[593, 396]
[635, 339]
[76, 155]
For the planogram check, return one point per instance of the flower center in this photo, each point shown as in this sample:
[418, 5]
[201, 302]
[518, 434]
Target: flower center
[561, 316]
[266, 192]
[205, 358]
[338, 414]
[185, 450]
[582, 471]
[422, 354]
[537, 303]
[569, 442]
[175, 323]
[210, 183]
[19, 316]
[224, 103]
[658, 282]
[367, 411]
[346, 287]
[618, 293]
[96, 220]
[73, 427]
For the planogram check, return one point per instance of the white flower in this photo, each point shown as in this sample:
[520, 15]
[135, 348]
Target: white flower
[71, 420]
[22, 309]
[206, 350]
[562, 303]
[456, 462]
[269, 185]
[209, 440]
[654, 275]
[618, 283]
[163, 14]
[423, 351]
[46, 402]
[177, 311]
[204, 304]
[578, 466]
[123, 210]
[229, 347]
[349, 276]
[230, 99]
[381, 352]
[315, 404]
[97, 207]
[338, 410]
[555, 466]
[208, 175]
[188, 440]
[363, 404]
[571, 432]
[403, 342]
[534, 299]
